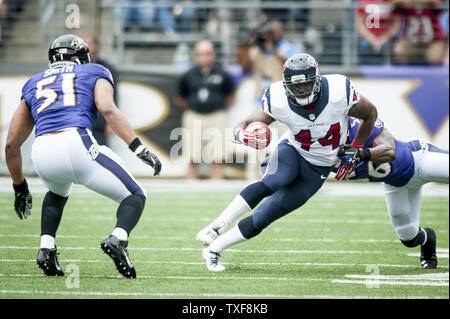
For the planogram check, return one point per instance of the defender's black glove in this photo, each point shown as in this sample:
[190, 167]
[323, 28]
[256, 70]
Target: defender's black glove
[349, 154]
[22, 200]
[146, 156]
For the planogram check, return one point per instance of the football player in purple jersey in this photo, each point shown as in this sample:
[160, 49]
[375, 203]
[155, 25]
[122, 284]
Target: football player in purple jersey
[402, 167]
[62, 103]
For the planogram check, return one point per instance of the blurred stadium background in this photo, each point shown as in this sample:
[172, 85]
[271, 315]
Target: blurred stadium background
[339, 241]
[149, 51]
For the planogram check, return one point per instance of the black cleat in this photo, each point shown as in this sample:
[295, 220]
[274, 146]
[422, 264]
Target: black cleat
[117, 250]
[47, 260]
[428, 258]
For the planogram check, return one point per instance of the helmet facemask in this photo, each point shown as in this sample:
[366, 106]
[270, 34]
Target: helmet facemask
[301, 79]
[302, 89]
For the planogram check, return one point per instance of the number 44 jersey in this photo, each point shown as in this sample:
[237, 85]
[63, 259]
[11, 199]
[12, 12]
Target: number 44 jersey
[63, 96]
[315, 132]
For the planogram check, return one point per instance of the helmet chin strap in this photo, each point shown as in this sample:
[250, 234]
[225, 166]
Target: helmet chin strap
[306, 101]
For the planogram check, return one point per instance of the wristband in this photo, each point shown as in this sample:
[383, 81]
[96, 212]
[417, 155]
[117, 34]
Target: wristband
[356, 145]
[135, 144]
[21, 187]
[364, 154]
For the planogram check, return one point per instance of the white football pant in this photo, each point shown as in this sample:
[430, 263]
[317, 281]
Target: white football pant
[73, 156]
[403, 203]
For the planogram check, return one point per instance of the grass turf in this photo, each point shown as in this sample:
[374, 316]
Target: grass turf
[332, 247]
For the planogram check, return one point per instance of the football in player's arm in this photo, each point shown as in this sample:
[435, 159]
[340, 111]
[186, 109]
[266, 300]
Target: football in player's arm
[402, 167]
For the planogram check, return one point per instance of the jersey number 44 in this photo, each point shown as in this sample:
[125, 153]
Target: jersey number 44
[332, 137]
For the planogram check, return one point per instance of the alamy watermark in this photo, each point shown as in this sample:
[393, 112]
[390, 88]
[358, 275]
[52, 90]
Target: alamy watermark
[213, 145]
[73, 16]
[73, 276]
[373, 16]
[374, 271]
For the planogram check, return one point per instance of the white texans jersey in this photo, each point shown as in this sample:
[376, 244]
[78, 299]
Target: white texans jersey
[317, 133]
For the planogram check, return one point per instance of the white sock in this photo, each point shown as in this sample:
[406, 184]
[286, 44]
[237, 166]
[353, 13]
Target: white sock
[234, 210]
[120, 233]
[231, 237]
[47, 241]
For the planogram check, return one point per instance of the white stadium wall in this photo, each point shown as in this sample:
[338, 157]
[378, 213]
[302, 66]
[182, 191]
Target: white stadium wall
[388, 94]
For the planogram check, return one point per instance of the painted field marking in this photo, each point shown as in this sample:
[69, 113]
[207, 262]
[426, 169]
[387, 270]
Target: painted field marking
[204, 295]
[426, 279]
[259, 251]
[440, 252]
[226, 263]
[431, 276]
[393, 283]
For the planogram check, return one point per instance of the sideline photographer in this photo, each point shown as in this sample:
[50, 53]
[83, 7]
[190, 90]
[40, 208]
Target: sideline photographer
[267, 53]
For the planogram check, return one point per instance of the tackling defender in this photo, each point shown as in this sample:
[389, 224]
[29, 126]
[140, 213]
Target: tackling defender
[62, 102]
[316, 109]
[402, 167]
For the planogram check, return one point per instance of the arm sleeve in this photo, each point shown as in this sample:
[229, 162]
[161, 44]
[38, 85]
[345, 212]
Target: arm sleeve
[352, 93]
[25, 92]
[99, 71]
[354, 126]
[266, 103]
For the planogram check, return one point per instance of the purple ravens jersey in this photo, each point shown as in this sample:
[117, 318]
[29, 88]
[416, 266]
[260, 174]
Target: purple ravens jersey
[62, 97]
[396, 173]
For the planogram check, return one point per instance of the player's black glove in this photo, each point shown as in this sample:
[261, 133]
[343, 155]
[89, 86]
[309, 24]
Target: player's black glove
[22, 200]
[146, 156]
[349, 154]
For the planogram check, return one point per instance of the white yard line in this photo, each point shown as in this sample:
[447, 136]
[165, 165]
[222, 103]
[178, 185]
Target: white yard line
[184, 277]
[330, 188]
[65, 261]
[259, 251]
[371, 282]
[203, 295]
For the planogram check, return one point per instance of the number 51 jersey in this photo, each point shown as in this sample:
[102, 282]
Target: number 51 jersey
[317, 133]
[62, 97]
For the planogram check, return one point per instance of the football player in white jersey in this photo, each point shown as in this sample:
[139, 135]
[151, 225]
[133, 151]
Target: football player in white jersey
[316, 110]
[62, 103]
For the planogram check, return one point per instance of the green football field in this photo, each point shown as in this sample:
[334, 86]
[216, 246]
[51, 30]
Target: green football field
[333, 247]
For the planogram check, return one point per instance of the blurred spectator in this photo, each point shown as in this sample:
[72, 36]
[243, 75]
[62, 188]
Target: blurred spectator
[183, 14]
[170, 19]
[279, 14]
[376, 25]
[267, 54]
[3, 9]
[204, 92]
[423, 39]
[141, 17]
[100, 129]
[300, 16]
[10, 10]
[444, 23]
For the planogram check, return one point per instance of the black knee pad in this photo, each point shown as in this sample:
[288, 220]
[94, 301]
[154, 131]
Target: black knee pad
[248, 230]
[416, 241]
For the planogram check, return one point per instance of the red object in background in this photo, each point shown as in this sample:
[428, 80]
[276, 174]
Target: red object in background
[376, 9]
[421, 23]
